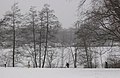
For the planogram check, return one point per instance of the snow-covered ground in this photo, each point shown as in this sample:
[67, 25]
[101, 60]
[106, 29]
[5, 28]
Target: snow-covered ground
[58, 73]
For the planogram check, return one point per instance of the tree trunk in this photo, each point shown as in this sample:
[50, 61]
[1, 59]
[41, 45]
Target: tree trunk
[40, 51]
[62, 57]
[13, 41]
[34, 43]
[46, 43]
[75, 61]
[86, 50]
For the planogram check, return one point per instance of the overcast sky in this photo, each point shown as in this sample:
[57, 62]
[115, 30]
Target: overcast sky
[65, 10]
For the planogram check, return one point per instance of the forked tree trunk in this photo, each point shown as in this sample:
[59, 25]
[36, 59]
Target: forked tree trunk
[46, 43]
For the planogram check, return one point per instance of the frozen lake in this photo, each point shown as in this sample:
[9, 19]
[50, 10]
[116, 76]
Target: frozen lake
[58, 73]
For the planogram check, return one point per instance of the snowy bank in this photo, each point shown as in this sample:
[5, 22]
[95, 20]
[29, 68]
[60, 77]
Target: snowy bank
[58, 73]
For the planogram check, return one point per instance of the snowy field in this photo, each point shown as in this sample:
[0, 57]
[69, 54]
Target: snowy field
[58, 73]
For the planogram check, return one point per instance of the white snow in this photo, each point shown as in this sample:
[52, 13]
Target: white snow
[58, 73]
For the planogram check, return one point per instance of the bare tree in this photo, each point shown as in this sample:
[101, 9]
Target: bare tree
[32, 21]
[50, 24]
[13, 20]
